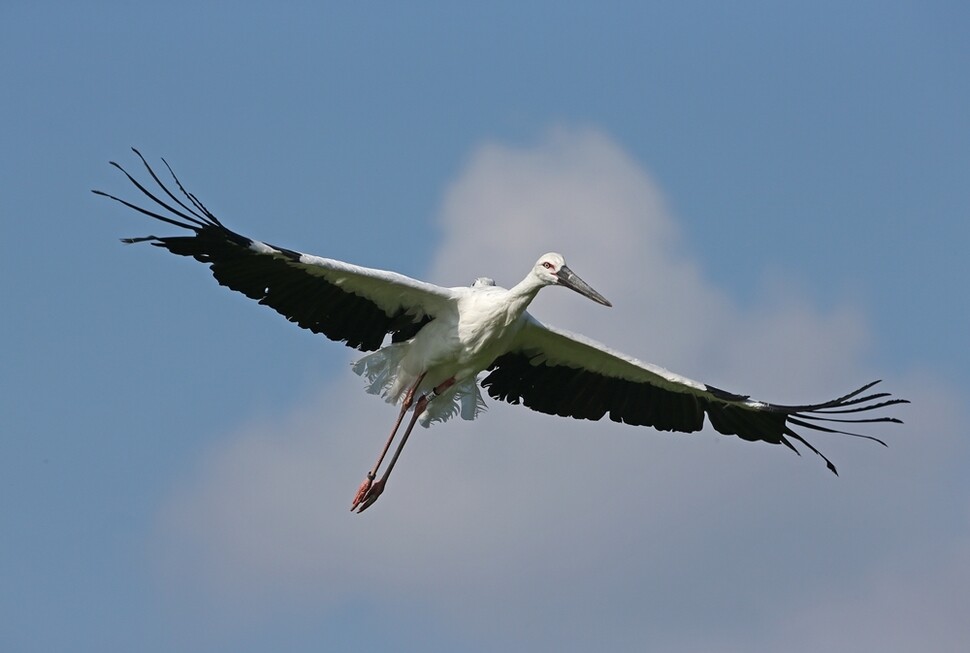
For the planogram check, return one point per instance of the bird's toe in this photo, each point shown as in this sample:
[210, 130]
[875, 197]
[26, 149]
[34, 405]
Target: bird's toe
[371, 495]
[362, 492]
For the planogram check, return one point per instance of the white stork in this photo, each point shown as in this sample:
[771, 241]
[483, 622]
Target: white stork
[442, 339]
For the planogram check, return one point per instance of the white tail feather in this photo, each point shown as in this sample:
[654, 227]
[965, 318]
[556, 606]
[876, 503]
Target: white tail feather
[463, 399]
[380, 369]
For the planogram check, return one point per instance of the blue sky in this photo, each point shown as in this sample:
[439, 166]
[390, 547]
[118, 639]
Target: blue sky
[773, 197]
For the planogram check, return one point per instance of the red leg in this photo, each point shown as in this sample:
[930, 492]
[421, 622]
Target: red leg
[374, 491]
[372, 474]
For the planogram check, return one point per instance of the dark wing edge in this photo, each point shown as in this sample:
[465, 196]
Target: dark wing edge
[732, 414]
[563, 374]
[274, 276]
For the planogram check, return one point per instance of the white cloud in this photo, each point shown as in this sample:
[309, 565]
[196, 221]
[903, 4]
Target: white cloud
[522, 530]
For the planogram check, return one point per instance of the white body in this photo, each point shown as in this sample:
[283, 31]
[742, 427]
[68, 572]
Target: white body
[479, 324]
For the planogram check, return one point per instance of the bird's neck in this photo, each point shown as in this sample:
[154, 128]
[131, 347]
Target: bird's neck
[522, 294]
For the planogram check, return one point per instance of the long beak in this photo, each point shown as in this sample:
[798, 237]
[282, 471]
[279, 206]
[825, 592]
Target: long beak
[569, 279]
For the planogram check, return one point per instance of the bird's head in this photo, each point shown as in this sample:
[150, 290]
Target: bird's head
[551, 270]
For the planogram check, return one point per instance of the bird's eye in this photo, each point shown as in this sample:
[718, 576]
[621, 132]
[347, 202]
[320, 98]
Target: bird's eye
[547, 265]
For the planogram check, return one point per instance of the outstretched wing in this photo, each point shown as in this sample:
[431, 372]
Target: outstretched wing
[349, 303]
[560, 373]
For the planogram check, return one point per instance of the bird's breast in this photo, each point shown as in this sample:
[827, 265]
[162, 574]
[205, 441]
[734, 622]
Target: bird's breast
[485, 326]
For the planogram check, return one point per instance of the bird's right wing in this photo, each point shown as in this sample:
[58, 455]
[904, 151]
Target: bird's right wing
[553, 371]
[357, 305]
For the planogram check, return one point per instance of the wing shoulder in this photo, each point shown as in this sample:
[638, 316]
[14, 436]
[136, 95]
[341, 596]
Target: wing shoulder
[554, 371]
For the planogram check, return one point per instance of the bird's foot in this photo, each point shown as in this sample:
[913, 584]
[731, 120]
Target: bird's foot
[362, 491]
[369, 496]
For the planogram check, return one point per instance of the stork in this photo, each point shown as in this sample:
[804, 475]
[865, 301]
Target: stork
[430, 345]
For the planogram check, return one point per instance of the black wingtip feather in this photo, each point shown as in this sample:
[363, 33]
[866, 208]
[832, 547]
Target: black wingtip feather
[749, 419]
[809, 416]
[274, 277]
[828, 463]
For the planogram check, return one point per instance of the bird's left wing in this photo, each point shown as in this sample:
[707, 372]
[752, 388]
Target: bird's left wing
[553, 371]
[345, 302]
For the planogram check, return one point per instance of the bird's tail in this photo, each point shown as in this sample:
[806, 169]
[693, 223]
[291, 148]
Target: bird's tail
[463, 399]
[381, 369]
[383, 372]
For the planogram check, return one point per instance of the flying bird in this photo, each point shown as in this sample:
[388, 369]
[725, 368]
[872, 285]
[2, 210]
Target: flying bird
[432, 346]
